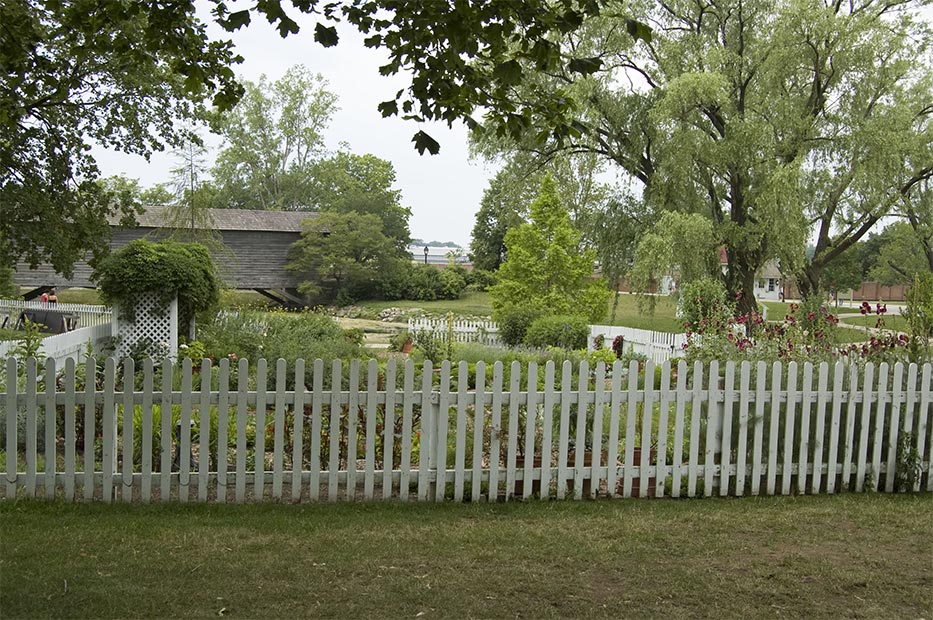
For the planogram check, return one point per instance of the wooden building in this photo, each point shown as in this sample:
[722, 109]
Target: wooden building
[254, 254]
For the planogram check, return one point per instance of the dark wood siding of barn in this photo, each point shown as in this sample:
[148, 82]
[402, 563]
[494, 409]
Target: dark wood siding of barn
[254, 259]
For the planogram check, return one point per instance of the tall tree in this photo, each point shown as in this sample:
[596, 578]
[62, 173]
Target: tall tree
[917, 208]
[546, 266]
[115, 73]
[767, 117]
[272, 139]
[119, 73]
[900, 257]
[505, 202]
[189, 211]
[349, 183]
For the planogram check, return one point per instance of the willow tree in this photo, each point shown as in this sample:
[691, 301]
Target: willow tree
[770, 118]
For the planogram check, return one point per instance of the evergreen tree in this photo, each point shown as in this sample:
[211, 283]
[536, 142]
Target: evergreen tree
[546, 267]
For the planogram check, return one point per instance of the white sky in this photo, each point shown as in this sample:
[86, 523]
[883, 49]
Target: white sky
[443, 190]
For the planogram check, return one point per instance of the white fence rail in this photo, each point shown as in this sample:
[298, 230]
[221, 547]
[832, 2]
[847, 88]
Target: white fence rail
[71, 344]
[419, 433]
[88, 315]
[464, 330]
[659, 347]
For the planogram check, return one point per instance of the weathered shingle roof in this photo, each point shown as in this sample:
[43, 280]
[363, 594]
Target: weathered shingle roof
[232, 219]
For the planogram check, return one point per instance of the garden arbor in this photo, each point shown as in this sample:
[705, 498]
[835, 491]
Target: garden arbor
[155, 287]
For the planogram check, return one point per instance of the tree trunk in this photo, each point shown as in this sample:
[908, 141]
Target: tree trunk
[740, 282]
[808, 281]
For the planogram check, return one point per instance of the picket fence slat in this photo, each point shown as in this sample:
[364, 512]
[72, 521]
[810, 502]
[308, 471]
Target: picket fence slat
[894, 426]
[335, 414]
[242, 383]
[223, 418]
[864, 427]
[407, 412]
[372, 386]
[439, 436]
[712, 415]
[789, 421]
[804, 443]
[563, 435]
[69, 385]
[564, 438]
[388, 430]
[50, 418]
[922, 440]
[879, 426]
[317, 416]
[460, 455]
[832, 459]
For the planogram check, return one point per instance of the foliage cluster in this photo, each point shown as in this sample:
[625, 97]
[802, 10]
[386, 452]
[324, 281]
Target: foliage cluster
[919, 314]
[514, 323]
[273, 335]
[168, 268]
[424, 283]
[546, 267]
[562, 331]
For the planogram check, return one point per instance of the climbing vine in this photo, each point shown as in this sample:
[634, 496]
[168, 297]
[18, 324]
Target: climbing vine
[167, 268]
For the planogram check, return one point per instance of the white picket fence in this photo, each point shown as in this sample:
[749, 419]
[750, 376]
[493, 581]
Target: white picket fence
[94, 326]
[73, 344]
[464, 330]
[420, 433]
[657, 346]
[88, 315]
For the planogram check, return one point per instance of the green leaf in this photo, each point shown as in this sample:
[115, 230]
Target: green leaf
[424, 142]
[638, 30]
[287, 26]
[585, 66]
[237, 20]
[508, 72]
[325, 35]
[388, 108]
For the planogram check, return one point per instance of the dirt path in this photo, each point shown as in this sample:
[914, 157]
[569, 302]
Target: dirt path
[374, 332]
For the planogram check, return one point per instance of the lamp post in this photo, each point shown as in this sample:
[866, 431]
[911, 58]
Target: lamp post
[425, 255]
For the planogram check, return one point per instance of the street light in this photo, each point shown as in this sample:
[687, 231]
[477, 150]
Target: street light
[425, 255]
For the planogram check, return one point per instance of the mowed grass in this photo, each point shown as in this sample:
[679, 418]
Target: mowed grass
[865, 556]
[475, 303]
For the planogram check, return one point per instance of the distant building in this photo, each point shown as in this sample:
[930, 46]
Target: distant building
[439, 256]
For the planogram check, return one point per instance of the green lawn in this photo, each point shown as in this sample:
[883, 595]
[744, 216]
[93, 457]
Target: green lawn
[471, 303]
[865, 556]
[891, 322]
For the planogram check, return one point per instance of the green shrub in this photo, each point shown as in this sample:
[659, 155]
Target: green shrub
[167, 268]
[919, 315]
[452, 283]
[566, 332]
[701, 300]
[480, 279]
[513, 324]
[424, 284]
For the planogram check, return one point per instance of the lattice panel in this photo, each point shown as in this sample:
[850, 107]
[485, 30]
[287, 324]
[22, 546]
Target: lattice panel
[155, 326]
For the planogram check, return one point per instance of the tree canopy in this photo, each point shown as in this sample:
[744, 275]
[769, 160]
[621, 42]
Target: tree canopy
[107, 72]
[341, 255]
[769, 118]
[272, 139]
[464, 58]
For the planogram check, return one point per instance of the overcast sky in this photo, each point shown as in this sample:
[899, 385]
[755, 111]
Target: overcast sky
[443, 191]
